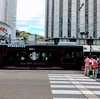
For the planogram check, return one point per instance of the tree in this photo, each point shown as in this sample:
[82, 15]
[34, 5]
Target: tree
[26, 35]
[17, 32]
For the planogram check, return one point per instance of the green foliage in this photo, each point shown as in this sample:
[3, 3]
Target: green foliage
[25, 38]
[27, 34]
[39, 38]
[17, 32]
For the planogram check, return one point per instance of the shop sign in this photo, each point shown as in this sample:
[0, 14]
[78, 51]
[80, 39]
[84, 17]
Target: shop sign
[3, 29]
[85, 48]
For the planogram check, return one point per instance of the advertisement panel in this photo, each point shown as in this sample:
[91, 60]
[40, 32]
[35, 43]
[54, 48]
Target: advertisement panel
[5, 29]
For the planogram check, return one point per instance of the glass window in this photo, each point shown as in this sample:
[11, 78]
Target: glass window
[79, 53]
[69, 17]
[95, 19]
[60, 18]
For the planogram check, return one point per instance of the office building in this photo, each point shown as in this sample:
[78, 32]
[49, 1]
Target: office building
[74, 21]
[67, 18]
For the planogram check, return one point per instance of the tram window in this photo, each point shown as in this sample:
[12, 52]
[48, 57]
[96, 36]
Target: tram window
[69, 54]
[72, 54]
[1, 51]
[44, 55]
[79, 54]
[50, 55]
[24, 52]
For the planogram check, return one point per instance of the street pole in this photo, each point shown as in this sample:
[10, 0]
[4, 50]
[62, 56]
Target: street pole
[90, 44]
[81, 6]
[79, 18]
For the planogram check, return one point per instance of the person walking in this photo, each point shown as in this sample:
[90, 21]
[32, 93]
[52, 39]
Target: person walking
[98, 59]
[87, 66]
[95, 65]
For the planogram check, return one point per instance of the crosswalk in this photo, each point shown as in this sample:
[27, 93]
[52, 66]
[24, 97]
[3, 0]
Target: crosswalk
[74, 86]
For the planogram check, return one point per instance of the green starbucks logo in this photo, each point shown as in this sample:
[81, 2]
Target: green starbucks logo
[34, 56]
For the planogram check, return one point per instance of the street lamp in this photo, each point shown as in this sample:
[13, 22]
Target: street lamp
[79, 18]
[90, 42]
[81, 6]
[84, 33]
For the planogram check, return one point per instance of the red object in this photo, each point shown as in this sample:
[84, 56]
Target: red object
[95, 63]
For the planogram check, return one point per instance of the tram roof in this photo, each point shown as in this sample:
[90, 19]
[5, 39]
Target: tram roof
[42, 44]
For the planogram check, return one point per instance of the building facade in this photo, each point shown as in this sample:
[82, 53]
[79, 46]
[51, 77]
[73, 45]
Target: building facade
[68, 18]
[8, 14]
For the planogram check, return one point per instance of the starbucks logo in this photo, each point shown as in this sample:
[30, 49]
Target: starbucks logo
[34, 56]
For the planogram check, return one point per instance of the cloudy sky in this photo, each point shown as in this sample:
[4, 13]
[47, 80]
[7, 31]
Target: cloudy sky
[31, 16]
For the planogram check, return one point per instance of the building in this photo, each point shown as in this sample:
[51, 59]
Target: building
[8, 14]
[67, 18]
[73, 20]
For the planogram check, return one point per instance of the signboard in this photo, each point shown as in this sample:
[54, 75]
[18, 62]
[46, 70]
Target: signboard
[5, 29]
[94, 48]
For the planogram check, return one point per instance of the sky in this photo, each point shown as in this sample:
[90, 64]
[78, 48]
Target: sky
[31, 16]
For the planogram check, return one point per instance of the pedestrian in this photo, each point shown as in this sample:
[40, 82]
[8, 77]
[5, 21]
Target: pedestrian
[95, 65]
[98, 59]
[87, 66]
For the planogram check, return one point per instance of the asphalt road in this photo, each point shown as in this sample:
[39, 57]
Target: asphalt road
[41, 71]
[27, 84]
[24, 84]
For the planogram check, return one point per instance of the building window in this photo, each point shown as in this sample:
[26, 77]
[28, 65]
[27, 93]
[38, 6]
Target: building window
[95, 19]
[52, 23]
[82, 42]
[86, 17]
[60, 18]
[69, 17]
[77, 18]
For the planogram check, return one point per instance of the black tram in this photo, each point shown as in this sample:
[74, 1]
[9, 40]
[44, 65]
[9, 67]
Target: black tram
[34, 56]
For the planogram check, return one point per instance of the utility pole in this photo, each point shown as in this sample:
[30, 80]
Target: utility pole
[79, 18]
[90, 44]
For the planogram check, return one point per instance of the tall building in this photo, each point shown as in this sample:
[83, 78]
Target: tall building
[8, 14]
[67, 18]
